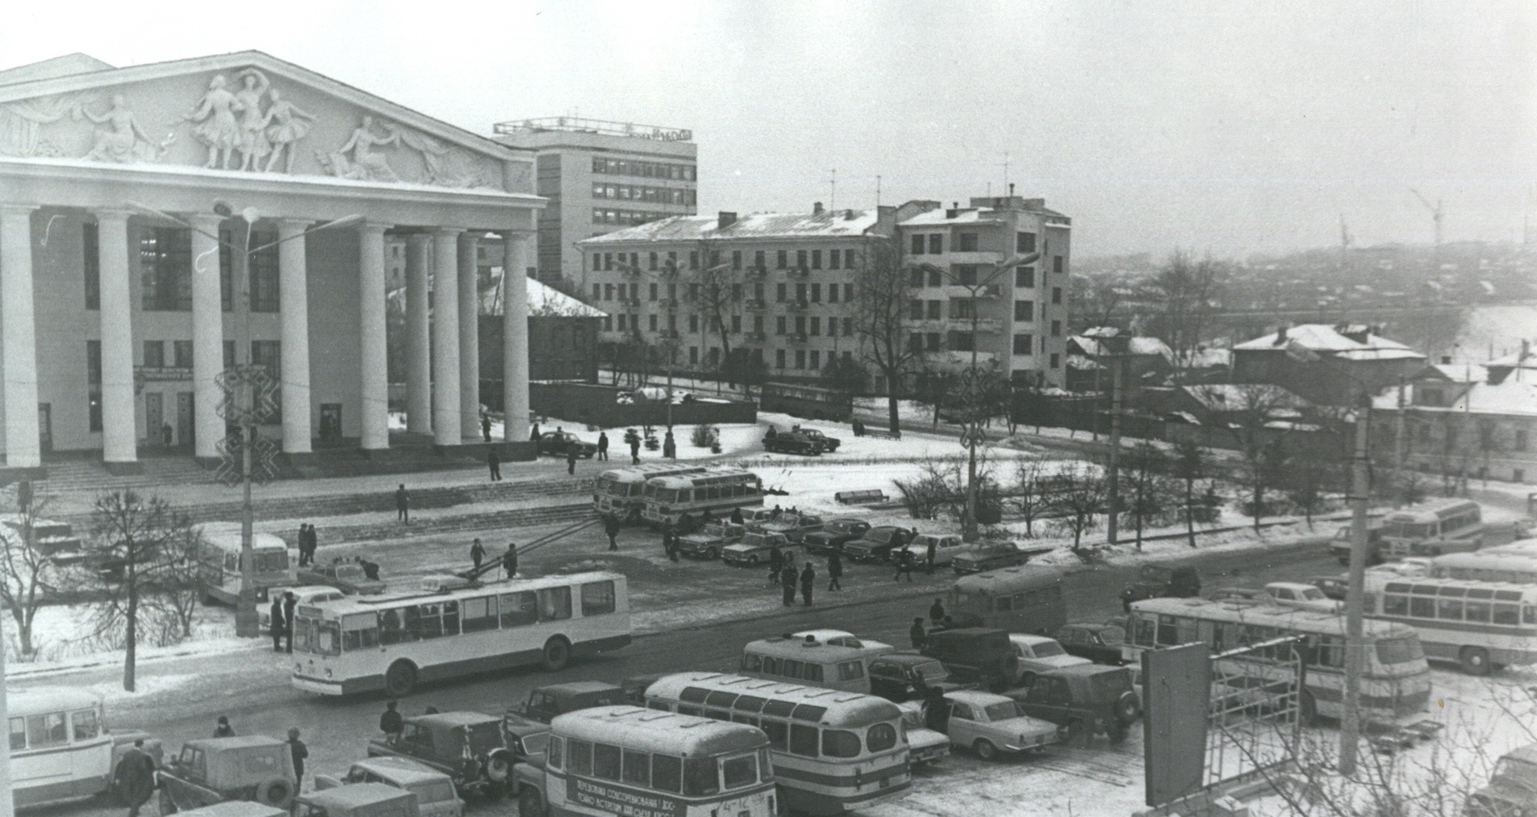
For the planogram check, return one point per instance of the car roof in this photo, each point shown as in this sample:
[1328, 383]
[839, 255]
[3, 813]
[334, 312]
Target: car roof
[910, 658]
[578, 687]
[399, 769]
[1292, 585]
[236, 742]
[453, 719]
[966, 632]
[356, 795]
[977, 697]
[236, 808]
[1083, 670]
[1027, 638]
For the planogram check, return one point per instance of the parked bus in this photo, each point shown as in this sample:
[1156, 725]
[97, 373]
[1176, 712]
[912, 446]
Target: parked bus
[812, 662]
[1519, 547]
[619, 491]
[1022, 599]
[812, 402]
[833, 751]
[1437, 527]
[392, 642]
[219, 566]
[1395, 682]
[1487, 566]
[1481, 625]
[627, 760]
[60, 747]
[717, 490]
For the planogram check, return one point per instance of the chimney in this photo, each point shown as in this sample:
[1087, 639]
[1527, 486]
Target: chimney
[1446, 360]
[848, 215]
[1280, 336]
[724, 219]
[816, 209]
[1011, 190]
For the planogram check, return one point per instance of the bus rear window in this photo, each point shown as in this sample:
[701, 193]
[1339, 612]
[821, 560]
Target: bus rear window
[1399, 650]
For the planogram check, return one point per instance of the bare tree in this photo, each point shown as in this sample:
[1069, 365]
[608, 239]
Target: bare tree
[1143, 465]
[1030, 497]
[1079, 496]
[1184, 295]
[1189, 466]
[716, 291]
[1258, 417]
[26, 572]
[883, 291]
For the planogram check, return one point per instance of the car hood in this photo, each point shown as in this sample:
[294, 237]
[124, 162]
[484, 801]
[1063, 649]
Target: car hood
[741, 547]
[1060, 660]
[521, 726]
[923, 738]
[1504, 792]
[698, 538]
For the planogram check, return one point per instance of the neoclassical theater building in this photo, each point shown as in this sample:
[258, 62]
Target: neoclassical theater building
[161, 222]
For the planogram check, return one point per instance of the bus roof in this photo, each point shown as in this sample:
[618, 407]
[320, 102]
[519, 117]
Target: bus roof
[652, 730]
[640, 473]
[361, 604]
[1267, 615]
[1503, 591]
[1433, 509]
[1008, 579]
[687, 480]
[811, 650]
[57, 699]
[1486, 560]
[837, 708]
[221, 535]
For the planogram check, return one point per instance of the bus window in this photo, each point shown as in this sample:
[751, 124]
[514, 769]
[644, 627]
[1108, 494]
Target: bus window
[701, 776]
[85, 723]
[18, 734]
[778, 733]
[1421, 607]
[839, 743]
[555, 752]
[450, 618]
[881, 737]
[519, 609]
[598, 598]
[579, 756]
[803, 740]
[360, 630]
[428, 620]
[854, 670]
[813, 673]
[1507, 614]
[1449, 609]
[1168, 631]
[392, 629]
[554, 603]
[637, 768]
[741, 771]
[1003, 603]
[685, 495]
[666, 773]
[751, 662]
[771, 666]
[1477, 611]
[605, 761]
[46, 730]
[1529, 615]
[1144, 630]
[1399, 605]
[792, 668]
[479, 614]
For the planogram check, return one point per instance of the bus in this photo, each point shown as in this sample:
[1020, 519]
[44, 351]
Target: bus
[219, 563]
[833, 751]
[1395, 682]
[618, 492]
[813, 662]
[1437, 527]
[1484, 626]
[627, 760]
[811, 402]
[60, 747]
[391, 642]
[1487, 566]
[717, 490]
[1519, 547]
[1024, 599]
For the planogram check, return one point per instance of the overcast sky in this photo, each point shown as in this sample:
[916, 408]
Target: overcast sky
[1232, 126]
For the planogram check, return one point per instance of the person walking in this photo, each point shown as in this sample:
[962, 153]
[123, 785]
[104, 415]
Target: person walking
[611, 528]
[916, 633]
[834, 571]
[477, 554]
[494, 463]
[276, 614]
[670, 542]
[904, 565]
[736, 516]
[370, 569]
[776, 562]
[787, 578]
[635, 450]
[571, 459]
[602, 445]
[808, 584]
[936, 612]
[290, 601]
[223, 729]
[391, 723]
[402, 504]
[669, 446]
[134, 777]
[304, 544]
[929, 558]
[313, 540]
[485, 427]
[299, 751]
[533, 433]
[510, 559]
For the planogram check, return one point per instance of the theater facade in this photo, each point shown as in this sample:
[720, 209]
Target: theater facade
[160, 223]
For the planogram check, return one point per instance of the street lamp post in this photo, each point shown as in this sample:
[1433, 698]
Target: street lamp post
[248, 395]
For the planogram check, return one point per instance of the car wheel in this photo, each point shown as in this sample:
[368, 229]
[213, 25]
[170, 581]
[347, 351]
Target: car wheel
[497, 767]
[167, 803]
[1475, 660]
[556, 654]
[711, 553]
[752, 561]
[400, 678]
[1127, 707]
[531, 803]
[274, 793]
[986, 750]
[1307, 709]
[1076, 734]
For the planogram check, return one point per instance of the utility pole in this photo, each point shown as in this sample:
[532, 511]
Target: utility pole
[1400, 443]
[1115, 445]
[1360, 491]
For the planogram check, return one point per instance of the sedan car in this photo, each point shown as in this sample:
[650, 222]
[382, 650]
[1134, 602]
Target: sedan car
[707, 544]
[897, 676]
[987, 556]
[1243, 594]
[1334, 587]
[835, 533]
[945, 548]
[558, 443]
[876, 545]
[753, 549]
[794, 526]
[435, 793]
[308, 594]
[344, 574]
[924, 745]
[1038, 654]
[992, 725]
[1100, 643]
[1302, 596]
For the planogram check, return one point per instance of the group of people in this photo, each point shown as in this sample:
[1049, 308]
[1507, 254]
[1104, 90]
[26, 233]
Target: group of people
[787, 578]
[509, 557]
[937, 621]
[308, 543]
[283, 621]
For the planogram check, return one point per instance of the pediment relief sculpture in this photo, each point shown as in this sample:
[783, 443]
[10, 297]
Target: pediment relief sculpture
[362, 158]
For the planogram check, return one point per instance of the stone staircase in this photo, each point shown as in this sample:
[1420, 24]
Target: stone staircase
[457, 523]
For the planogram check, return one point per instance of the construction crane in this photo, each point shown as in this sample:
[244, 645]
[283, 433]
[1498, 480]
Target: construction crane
[1435, 214]
[1345, 242]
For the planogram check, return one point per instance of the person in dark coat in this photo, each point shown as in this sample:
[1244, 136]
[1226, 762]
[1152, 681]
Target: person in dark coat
[510, 559]
[602, 445]
[936, 710]
[402, 504]
[299, 751]
[134, 777]
[936, 612]
[736, 516]
[776, 562]
[787, 578]
[611, 527]
[571, 459]
[311, 543]
[223, 729]
[834, 571]
[635, 450]
[391, 723]
[277, 623]
[494, 463]
[304, 544]
[929, 556]
[477, 554]
[533, 433]
[485, 427]
[808, 583]
[669, 447]
[904, 565]
[370, 569]
[917, 634]
[670, 542]
[290, 601]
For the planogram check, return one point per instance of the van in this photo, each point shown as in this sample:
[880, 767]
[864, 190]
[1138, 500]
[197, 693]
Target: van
[980, 655]
[813, 662]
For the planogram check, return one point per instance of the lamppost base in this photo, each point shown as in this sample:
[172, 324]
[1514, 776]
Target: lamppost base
[247, 621]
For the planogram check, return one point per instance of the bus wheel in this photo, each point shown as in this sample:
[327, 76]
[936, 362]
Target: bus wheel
[399, 678]
[530, 803]
[1307, 709]
[1475, 660]
[556, 654]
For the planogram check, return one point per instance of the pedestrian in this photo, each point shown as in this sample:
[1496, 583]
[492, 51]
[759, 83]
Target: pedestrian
[276, 614]
[485, 427]
[808, 583]
[290, 601]
[635, 450]
[494, 463]
[933, 545]
[936, 710]
[706, 519]
[402, 504]
[533, 433]
[510, 559]
[670, 542]
[776, 561]
[669, 446]
[304, 544]
[776, 513]
[168, 435]
[223, 729]
[134, 777]
[391, 723]
[936, 612]
[904, 565]
[736, 516]
[611, 527]
[571, 459]
[24, 495]
[370, 569]
[834, 571]
[917, 634]
[311, 542]
[787, 583]
[299, 751]
[602, 445]
[477, 553]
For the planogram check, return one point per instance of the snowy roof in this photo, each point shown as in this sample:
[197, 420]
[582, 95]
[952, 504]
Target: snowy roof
[1459, 372]
[1090, 344]
[1512, 397]
[1243, 396]
[1209, 358]
[1515, 359]
[543, 301]
[827, 224]
[967, 215]
[1319, 337]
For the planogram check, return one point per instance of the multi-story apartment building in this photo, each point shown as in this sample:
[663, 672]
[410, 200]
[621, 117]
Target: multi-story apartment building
[961, 302]
[785, 284]
[600, 177]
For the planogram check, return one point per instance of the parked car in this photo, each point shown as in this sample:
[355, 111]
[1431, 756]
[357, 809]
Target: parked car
[1084, 701]
[526, 725]
[708, 543]
[975, 655]
[1302, 596]
[1340, 544]
[792, 442]
[311, 594]
[992, 725]
[895, 676]
[1038, 654]
[236, 808]
[794, 526]
[987, 556]
[434, 790]
[358, 800]
[1512, 788]
[945, 547]
[924, 745]
[466, 746]
[834, 534]
[211, 770]
[558, 443]
[1240, 594]
[753, 549]
[345, 575]
[1157, 581]
[828, 444]
[1100, 643]
[840, 638]
[876, 545]
[1408, 567]
[1334, 587]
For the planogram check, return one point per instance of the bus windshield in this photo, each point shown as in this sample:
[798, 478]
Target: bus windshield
[740, 771]
[266, 561]
[611, 486]
[1399, 650]
[665, 495]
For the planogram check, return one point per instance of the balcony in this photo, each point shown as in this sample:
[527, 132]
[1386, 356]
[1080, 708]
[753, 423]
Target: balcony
[965, 324]
[924, 325]
[987, 292]
[797, 306]
[798, 272]
[797, 337]
[978, 257]
[755, 337]
[756, 305]
[756, 273]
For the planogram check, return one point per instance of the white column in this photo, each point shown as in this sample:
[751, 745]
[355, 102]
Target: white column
[418, 337]
[23, 448]
[445, 337]
[373, 351]
[119, 438]
[469, 338]
[515, 258]
[207, 337]
[293, 289]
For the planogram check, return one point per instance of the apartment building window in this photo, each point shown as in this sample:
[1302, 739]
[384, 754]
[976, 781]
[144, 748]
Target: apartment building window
[183, 353]
[816, 325]
[800, 358]
[165, 261]
[1024, 242]
[800, 324]
[968, 242]
[90, 242]
[1024, 277]
[154, 354]
[93, 362]
[693, 355]
[1056, 329]
[800, 259]
[268, 353]
[759, 259]
[916, 311]
[915, 278]
[915, 343]
[848, 327]
[936, 278]
[784, 261]
[597, 292]
[757, 291]
[780, 292]
[1056, 295]
[736, 324]
[936, 310]
[651, 291]
[1056, 263]
[816, 359]
[736, 259]
[1043, 344]
[597, 262]
[932, 341]
[816, 259]
[963, 309]
[1024, 310]
[779, 325]
[962, 341]
[672, 323]
[967, 273]
[652, 322]
[779, 358]
[1520, 443]
[651, 261]
[620, 319]
[672, 292]
[917, 245]
[634, 292]
[1056, 360]
[672, 260]
[608, 262]
[608, 323]
[608, 292]
[832, 293]
[816, 293]
[848, 259]
[936, 243]
[800, 293]
[736, 293]
[848, 356]
[693, 292]
[832, 259]
[693, 323]
[757, 324]
[693, 260]
[1023, 344]
[848, 291]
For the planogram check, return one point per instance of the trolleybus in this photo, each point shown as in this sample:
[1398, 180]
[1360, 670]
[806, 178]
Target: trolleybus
[1437, 527]
[812, 402]
[1487, 566]
[1481, 625]
[717, 490]
[619, 491]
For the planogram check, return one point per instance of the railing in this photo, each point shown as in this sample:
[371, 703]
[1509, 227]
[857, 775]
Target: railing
[756, 305]
[797, 306]
[798, 272]
[756, 272]
[965, 324]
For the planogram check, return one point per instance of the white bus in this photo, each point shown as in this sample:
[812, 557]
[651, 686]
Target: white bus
[1487, 566]
[718, 490]
[219, 565]
[1395, 682]
[619, 491]
[813, 662]
[60, 747]
[392, 642]
[1481, 625]
[1437, 527]
[611, 760]
[833, 751]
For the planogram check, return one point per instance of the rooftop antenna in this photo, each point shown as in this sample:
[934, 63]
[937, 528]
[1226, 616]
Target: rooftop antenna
[877, 192]
[1005, 171]
[1436, 214]
[832, 196]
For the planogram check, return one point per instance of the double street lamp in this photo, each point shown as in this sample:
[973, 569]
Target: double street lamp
[248, 389]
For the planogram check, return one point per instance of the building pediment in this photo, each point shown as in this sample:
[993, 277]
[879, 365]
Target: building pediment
[248, 113]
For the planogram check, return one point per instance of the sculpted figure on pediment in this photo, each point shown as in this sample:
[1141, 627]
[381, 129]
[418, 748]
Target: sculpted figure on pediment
[447, 166]
[286, 124]
[358, 159]
[217, 126]
[122, 140]
[253, 123]
[21, 124]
